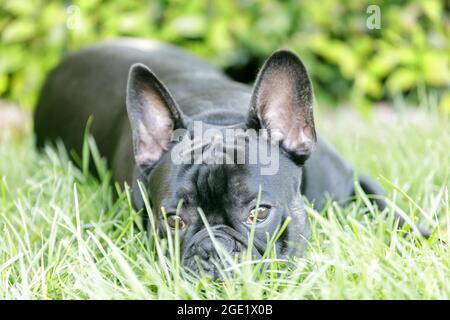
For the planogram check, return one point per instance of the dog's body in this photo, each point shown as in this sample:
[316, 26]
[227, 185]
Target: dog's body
[94, 81]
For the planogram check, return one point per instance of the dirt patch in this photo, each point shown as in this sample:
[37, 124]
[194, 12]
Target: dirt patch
[13, 118]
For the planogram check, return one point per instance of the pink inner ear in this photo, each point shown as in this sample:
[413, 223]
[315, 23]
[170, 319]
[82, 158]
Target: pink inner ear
[154, 127]
[281, 110]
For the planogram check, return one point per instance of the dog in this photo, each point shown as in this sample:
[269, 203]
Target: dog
[140, 92]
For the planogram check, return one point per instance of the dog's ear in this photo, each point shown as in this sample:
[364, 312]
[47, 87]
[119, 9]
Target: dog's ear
[282, 103]
[153, 115]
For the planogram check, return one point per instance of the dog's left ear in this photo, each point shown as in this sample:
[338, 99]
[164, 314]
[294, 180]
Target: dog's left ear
[282, 103]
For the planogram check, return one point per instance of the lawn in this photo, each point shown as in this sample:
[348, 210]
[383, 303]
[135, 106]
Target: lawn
[62, 236]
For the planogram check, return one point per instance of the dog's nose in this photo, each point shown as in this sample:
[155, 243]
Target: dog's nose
[200, 254]
[208, 257]
[205, 250]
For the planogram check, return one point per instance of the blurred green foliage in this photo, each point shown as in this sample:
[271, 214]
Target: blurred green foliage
[347, 60]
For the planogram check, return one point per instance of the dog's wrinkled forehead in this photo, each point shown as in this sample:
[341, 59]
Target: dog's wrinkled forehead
[230, 145]
[214, 142]
[213, 185]
[202, 172]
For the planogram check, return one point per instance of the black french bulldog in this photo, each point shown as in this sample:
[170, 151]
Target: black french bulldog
[168, 89]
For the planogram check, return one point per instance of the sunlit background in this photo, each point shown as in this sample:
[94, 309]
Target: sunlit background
[405, 57]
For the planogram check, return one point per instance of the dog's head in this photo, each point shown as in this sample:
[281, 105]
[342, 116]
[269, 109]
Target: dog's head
[228, 182]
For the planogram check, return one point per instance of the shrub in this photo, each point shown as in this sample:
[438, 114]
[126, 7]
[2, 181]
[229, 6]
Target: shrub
[409, 54]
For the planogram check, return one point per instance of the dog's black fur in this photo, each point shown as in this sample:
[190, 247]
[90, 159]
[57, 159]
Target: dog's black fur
[178, 90]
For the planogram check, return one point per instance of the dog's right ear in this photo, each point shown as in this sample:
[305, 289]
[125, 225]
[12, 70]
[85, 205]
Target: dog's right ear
[153, 115]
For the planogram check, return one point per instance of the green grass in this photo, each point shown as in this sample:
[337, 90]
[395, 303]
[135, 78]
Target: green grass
[62, 235]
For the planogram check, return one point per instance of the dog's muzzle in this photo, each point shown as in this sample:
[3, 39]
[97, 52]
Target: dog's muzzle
[200, 255]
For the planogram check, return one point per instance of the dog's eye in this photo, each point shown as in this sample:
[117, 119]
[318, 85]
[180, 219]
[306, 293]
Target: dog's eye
[258, 214]
[173, 220]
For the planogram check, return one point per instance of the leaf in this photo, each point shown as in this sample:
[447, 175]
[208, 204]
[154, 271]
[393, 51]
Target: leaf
[402, 79]
[433, 9]
[19, 30]
[444, 104]
[192, 26]
[3, 83]
[435, 68]
[20, 8]
[382, 64]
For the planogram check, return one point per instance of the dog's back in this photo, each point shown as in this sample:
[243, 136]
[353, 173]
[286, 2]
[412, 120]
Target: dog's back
[93, 82]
